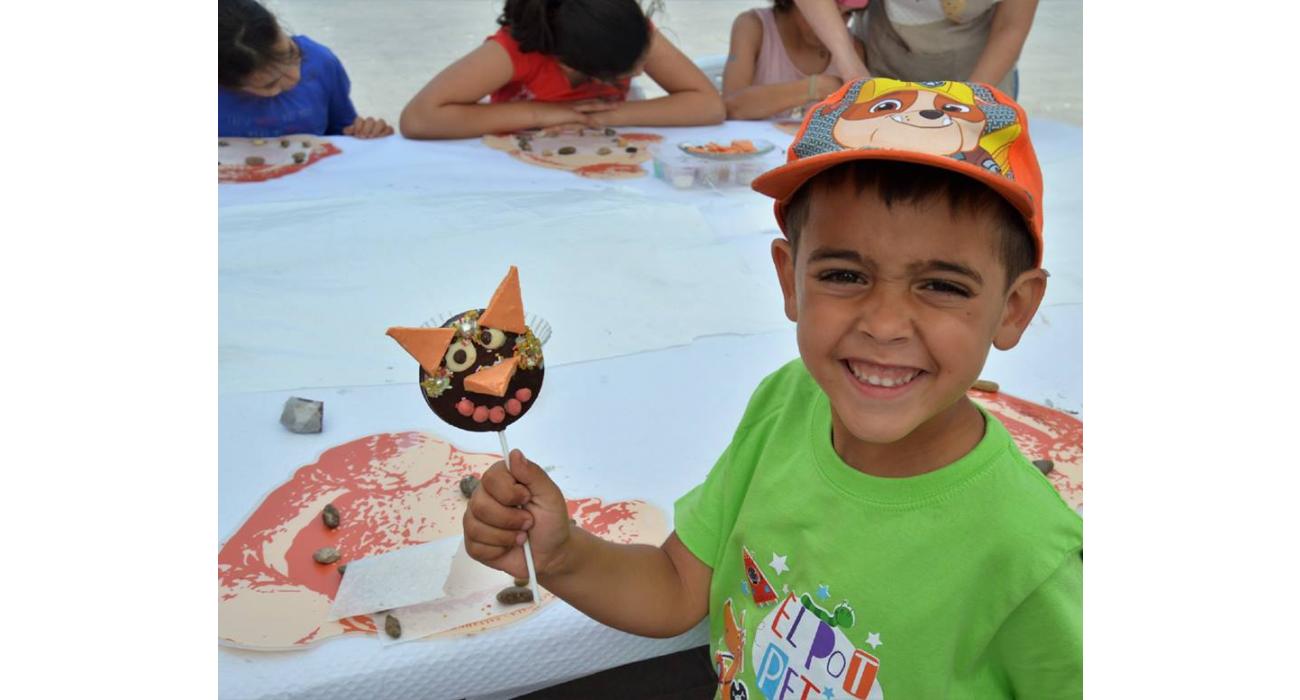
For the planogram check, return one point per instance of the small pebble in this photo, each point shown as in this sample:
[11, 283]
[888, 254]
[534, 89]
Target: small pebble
[521, 582]
[392, 627]
[468, 484]
[299, 157]
[567, 150]
[330, 515]
[255, 160]
[1044, 465]
[514, 595]
[602, 151]
[985, 385]
[326, 555]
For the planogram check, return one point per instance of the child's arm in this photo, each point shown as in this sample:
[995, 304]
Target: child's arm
[645, 590]
[691, 98]
[1012, 20]
[828, 24]
[748, 101]
[1040, 645]
[447, 107]
[341, 112]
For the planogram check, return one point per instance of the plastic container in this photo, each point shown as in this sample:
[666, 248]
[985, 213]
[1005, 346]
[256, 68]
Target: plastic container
[686, 171]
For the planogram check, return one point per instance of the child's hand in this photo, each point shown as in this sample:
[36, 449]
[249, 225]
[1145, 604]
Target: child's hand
[596, 105]
[826, 84]
[368, 128]
[494, 528]
[548, 114]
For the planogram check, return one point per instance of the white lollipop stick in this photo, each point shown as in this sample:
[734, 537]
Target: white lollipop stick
[528, 550]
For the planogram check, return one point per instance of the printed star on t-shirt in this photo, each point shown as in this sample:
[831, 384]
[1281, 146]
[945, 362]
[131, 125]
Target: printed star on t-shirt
[874, 640]
[828, 693]
[823, 591]
[778, 563]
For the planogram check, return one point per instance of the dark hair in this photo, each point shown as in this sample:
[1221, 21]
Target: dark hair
[782, 5]
[246, 37]
[602, 39]
[897, 182]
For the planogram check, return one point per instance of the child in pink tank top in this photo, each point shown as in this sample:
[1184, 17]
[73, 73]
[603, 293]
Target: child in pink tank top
[777, 64]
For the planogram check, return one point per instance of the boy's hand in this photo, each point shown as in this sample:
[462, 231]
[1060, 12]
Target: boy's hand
[495, 529]
[368, 128]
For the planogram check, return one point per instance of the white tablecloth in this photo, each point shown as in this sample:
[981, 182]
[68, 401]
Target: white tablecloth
[649, 377]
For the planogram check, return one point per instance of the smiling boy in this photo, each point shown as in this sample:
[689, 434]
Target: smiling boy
[869, 532]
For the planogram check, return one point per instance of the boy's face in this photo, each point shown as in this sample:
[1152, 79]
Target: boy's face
[896, 309]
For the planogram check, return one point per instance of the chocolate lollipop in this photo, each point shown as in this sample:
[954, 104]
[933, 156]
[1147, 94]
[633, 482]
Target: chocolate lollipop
[481, 370]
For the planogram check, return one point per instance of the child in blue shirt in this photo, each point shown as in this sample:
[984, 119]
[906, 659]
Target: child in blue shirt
[271, 84]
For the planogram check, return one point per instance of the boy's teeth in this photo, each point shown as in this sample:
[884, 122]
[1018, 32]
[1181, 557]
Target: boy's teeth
[878, 380]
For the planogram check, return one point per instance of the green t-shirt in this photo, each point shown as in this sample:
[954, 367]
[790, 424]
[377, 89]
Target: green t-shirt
[966, 582]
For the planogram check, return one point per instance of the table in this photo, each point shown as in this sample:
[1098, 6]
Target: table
[648, 377]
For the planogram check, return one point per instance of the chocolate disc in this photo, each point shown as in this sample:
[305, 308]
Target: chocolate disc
[476, 349]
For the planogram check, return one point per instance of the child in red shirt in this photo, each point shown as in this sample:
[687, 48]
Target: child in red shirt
[563, 62]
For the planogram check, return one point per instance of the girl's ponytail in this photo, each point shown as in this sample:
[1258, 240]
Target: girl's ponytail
[530, 24]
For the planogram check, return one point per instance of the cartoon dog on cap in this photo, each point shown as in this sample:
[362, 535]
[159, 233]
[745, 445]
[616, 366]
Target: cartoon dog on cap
[952, 119]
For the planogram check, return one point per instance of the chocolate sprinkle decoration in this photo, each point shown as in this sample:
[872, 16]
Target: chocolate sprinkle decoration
[602, 151]
[255, 160]
[567, 150]
[985, 385]
[330, 515]
[610, 131]
[284, 143]
[631, 149]
[326, 555]
[1044, 465]
[514, 595]
[299, 157]
[521, 582]
[343, 568]
[392, 627]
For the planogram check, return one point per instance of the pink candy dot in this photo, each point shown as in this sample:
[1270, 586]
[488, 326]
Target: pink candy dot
[480, 414]
[524, 394]
[465, 407]
[513, 407]
[497, 414]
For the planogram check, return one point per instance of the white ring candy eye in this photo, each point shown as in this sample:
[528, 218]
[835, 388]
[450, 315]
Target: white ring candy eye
[491, 338]
[461, 356]
[886, 104]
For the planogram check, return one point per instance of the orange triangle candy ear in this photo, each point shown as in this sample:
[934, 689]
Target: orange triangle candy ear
[506, 310]
[493, 380]
[426, 345]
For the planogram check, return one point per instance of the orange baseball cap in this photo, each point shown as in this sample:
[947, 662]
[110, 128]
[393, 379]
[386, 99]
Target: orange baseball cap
[968, 128]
